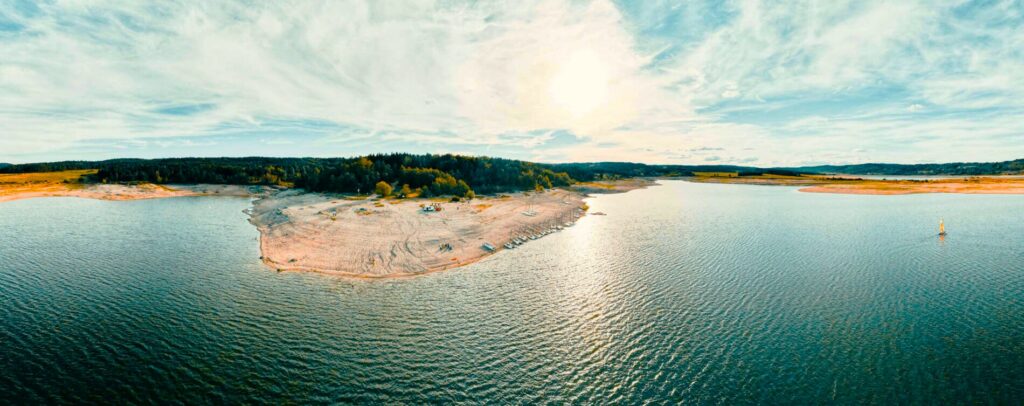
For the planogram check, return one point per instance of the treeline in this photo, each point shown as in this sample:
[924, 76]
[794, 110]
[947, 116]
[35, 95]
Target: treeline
[429, 175]
[439, 175]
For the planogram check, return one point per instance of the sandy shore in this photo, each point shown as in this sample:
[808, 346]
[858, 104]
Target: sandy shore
[121, 192]
[849, 185]
[68, 184]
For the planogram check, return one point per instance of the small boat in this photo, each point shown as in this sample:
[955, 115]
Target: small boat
[509, 245]
[488, 246]
[942, 228]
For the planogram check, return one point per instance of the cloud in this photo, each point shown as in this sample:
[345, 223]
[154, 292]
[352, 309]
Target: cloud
[548, 80]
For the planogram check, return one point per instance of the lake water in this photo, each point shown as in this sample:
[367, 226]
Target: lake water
[698, 293]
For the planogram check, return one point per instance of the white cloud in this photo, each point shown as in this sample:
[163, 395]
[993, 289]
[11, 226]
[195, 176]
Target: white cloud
[509, 74]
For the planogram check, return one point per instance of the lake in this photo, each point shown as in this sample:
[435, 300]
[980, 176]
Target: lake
[684, 292]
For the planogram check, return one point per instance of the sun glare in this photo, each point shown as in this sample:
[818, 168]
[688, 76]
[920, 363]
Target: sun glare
[580, 85]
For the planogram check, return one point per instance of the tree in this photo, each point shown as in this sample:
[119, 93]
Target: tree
[405, 192]
[383, 189]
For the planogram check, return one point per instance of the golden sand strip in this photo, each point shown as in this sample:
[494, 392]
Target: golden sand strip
[851, 185]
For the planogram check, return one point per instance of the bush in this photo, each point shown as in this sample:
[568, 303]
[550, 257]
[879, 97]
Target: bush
[383, 189]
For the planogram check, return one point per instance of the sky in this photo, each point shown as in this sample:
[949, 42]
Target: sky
[761, 83]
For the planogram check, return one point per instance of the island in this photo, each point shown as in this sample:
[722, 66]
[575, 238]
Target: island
[417, 219]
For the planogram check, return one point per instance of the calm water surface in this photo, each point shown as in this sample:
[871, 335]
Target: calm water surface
[716, 294]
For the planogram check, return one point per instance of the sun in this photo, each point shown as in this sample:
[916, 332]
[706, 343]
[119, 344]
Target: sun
[580, 84]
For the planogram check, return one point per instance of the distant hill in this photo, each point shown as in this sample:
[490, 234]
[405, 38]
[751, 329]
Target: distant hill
[956, 168]
[598, 170]
[4, 165]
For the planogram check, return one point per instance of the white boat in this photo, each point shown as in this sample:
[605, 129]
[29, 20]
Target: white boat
[488, 246]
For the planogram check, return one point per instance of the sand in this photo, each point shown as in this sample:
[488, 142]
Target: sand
[381, 238]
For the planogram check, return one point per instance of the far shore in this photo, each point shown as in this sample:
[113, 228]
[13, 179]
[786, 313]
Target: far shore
[67, 184]
[851, 184]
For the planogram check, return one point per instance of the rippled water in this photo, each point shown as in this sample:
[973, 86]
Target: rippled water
[683, 292]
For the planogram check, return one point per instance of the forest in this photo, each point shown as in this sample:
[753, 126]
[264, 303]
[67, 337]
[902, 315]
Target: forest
[428, 175]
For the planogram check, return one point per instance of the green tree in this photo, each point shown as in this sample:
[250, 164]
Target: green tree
[405, 192]
[383, 189]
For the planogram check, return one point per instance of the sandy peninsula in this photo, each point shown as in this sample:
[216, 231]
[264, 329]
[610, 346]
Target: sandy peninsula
[377, 238]
[855, 185]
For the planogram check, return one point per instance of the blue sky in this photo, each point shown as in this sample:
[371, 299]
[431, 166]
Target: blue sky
[744, 82]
